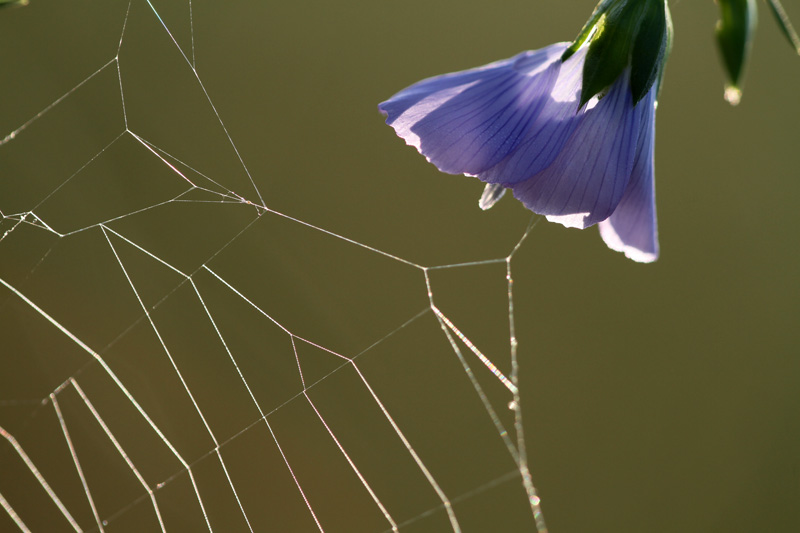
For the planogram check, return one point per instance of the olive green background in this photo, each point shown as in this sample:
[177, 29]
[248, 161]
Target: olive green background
[656, 398]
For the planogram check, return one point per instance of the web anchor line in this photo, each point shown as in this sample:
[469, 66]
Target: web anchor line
[517, 449]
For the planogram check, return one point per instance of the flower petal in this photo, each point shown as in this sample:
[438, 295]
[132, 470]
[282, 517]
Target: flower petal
[633, 228]
[467, 122]
[590, 174]
[549, 132]
[491, 195]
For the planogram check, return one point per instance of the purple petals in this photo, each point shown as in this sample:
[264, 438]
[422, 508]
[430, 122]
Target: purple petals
[516, 124]
[467, 122]
[547, 135]
[633, 228]
[588, 178]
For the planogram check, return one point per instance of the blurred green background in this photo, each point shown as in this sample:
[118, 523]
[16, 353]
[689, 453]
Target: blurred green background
[656, 398]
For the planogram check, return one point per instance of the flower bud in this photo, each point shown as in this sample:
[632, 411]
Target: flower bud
[735, 30]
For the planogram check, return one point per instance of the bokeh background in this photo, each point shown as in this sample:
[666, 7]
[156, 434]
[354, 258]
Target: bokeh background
[656, 398]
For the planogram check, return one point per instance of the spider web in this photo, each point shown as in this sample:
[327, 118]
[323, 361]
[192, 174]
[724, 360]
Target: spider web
[181, 354]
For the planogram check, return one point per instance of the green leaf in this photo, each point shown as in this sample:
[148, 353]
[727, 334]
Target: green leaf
[735, 30]
[785, 24]
[649, 49]
[670, 34]
[610, 48]
[586, 31]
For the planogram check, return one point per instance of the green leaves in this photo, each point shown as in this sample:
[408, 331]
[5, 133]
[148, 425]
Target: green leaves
[650, 49]
[623, 33]
[609, 51]
[637, 34]
[586, 31]
[735, 30]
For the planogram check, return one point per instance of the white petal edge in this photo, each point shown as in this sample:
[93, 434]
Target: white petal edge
[614, 242]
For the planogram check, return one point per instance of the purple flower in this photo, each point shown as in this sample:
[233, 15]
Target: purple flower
[518, 124]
